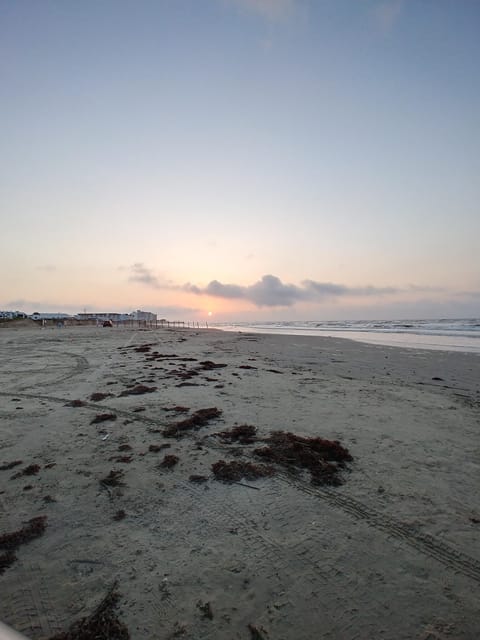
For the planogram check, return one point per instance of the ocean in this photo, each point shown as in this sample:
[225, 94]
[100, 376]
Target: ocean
[445, 334]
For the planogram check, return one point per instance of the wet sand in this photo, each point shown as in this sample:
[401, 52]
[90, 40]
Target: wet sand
[394, 552]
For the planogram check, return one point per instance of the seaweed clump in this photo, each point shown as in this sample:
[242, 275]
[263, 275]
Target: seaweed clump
[323, 458]
[255, 633]
[243, 434]
[102, 417]
[6, 560]
[208, 365]
[114, 479]
[199, 419]
[138, 390]
[155, 448]
[12, 541]
[169, 461]
[75, 403]
[239, 469]
[196, 479]
[10, 465]
[177, 409]
[125, 459]
[97, 396]
[102, 624]
[31, 470]
[206, 609]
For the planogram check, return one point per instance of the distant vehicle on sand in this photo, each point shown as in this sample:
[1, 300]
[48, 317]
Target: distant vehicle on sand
[107, 323]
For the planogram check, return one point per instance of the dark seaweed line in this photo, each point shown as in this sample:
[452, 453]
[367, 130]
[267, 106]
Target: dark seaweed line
[86, 405]
[422, 542]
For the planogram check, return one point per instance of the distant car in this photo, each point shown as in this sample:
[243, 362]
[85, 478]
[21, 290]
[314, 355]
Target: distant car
[107, 323]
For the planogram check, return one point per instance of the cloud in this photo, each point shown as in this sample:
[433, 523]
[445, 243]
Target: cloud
[140, 273]
[330, 290]
[386, 14]
[270, 291]
[270, 10]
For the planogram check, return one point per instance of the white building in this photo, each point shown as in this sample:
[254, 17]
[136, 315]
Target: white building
[138, 315]
[10, 315]
[50, 316]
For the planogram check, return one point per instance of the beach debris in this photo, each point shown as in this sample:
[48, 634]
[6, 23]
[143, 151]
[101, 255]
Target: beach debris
[50, 465]
[102, 624]
[10, 465]
[246, 366]
[6, 560]
[124, 459]
[114, 479]
[97, 396]
[27, 487]
[138, 409]
[124, 447]
[243, 433]
[208, 365]
[438, 379]
[48, 499]
[31, 470]
[169, 461]
[10, 542]
[199, 419]
[196, 479]
[137, 390]
[323, 458]
[155, 448]
[248, 486]
[206, 609]
[255, 633]
[103, 417]
[179, 629]
[75, 403]
[143, 348]
[238, 469]
[274, 371]
[177, 409]
[119, 515]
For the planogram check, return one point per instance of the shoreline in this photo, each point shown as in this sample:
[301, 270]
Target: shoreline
[406, 340]
[289, 558]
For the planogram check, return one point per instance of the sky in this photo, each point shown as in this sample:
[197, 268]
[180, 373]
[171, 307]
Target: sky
[247, 159]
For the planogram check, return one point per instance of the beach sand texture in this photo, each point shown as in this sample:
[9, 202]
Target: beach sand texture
[392, 553]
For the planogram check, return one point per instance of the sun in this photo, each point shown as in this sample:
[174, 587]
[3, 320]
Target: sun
[210, 313]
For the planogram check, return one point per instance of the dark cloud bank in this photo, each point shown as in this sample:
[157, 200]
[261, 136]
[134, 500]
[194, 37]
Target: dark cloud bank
[269, 291]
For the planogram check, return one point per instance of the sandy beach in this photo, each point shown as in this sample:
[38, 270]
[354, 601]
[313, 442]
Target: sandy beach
[393, 552]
